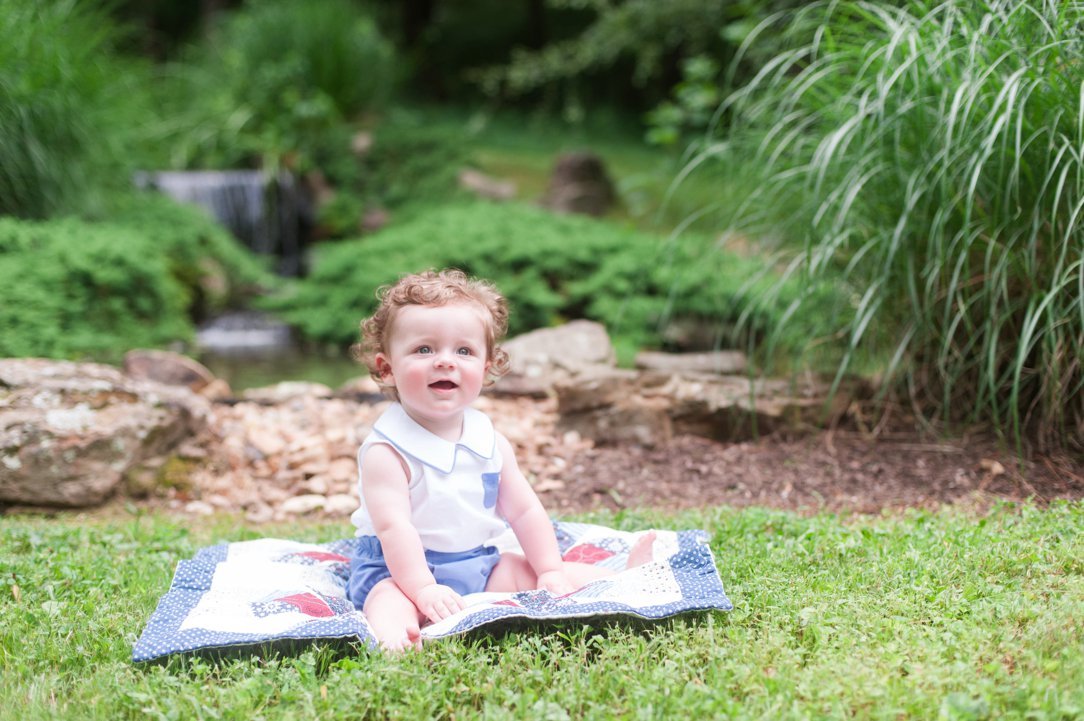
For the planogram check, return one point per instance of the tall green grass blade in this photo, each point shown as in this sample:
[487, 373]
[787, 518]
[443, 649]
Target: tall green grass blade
[933, 155]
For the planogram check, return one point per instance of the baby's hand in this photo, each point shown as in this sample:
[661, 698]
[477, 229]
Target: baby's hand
[556, 582]
[438, 602]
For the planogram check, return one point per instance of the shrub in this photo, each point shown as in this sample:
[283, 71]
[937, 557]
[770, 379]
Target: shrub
[551, 267]
[411, 164]
[933, 153]
[275, 84]
[70, 289]
[215, 269]
[78, 288]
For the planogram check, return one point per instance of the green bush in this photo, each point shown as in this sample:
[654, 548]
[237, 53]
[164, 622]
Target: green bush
[70, 289]
[78, 288]
[411, 164]
[551, 268]
[275, 85]
[215, 269]
[933, 153]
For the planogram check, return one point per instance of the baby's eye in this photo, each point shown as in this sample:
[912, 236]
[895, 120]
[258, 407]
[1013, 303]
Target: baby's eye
[423, 349]
[465, 351]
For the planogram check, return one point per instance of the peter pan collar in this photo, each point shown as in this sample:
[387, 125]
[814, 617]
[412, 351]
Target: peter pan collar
[411, 439]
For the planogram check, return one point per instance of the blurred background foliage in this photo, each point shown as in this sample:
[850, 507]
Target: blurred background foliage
[885, 188]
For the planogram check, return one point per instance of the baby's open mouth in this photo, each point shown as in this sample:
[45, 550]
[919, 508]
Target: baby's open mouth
[443, 385]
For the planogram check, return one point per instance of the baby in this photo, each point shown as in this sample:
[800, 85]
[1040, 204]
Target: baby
[438, 483]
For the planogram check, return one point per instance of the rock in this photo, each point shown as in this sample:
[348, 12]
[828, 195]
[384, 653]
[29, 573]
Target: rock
[301, 505]
[580, 184]
[547, 356]
[172, 369]
[318, 484]
[259, 512]
[723, 362]
[735, 408]
[266, 441]
[343, 469]
[649, 408]
[601, 389]
[199, 508]
[217, 390]
[374, 219]
[340, 504]
[69, 432]
[361, 143]
[611, 407]
[362, 389]
[485, 186]
[287, 390]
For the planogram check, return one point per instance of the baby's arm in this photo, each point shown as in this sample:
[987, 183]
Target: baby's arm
[519, 505]
[388, 501]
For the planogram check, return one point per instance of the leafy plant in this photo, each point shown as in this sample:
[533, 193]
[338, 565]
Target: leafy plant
[551, 267]
[640, 39]
[410, 163]
[76, 288]
[692, 105]
[216, 270]
[275, 85]
[931, 153]
[71, 289]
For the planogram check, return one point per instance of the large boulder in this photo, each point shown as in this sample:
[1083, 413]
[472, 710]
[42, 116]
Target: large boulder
[70, 431]
[542, 358]
[163, 366]
[650, 408]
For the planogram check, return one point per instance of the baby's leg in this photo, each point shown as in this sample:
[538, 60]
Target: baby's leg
[393, 617]
[513, 573]
[581, 574]
[643, 551]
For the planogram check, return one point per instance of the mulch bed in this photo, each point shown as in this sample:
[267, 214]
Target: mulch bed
[834, 471]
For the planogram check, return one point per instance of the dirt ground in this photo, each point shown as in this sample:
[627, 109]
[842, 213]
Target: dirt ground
[834, 471]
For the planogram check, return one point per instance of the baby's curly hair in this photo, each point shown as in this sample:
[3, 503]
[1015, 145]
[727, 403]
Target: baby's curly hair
[433, 288]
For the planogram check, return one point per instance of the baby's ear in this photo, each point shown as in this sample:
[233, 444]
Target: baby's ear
[383, 367]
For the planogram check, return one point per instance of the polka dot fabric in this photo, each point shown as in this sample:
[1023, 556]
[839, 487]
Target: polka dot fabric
[680, 577]
[272, 593]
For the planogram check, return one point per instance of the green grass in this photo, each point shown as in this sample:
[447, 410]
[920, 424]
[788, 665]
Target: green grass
[951, 615]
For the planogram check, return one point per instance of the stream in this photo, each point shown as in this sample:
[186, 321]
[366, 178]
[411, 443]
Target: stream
[250, 350]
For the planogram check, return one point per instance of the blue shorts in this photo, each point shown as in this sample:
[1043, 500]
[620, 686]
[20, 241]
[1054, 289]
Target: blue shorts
[462, 571]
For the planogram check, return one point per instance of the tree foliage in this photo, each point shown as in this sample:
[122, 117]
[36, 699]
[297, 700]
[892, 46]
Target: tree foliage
[645, 39]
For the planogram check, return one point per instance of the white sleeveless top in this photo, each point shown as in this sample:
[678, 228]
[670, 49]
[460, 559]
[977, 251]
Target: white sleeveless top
[453, 486]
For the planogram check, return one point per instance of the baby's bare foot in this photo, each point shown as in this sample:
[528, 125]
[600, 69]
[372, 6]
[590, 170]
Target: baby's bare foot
[642, 551]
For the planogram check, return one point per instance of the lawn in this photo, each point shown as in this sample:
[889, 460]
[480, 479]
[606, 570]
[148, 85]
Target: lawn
[955, 615]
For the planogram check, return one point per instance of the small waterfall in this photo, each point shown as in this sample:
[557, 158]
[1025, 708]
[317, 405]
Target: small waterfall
[268, 213]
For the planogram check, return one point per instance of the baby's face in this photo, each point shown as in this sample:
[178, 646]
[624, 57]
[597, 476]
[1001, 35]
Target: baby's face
[436, 359]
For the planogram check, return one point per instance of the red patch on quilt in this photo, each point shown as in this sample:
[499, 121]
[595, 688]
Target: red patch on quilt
[323, 556]
[587, 553]
[308, 604]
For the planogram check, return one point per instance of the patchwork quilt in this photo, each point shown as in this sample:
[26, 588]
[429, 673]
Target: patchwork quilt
[275, 593]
